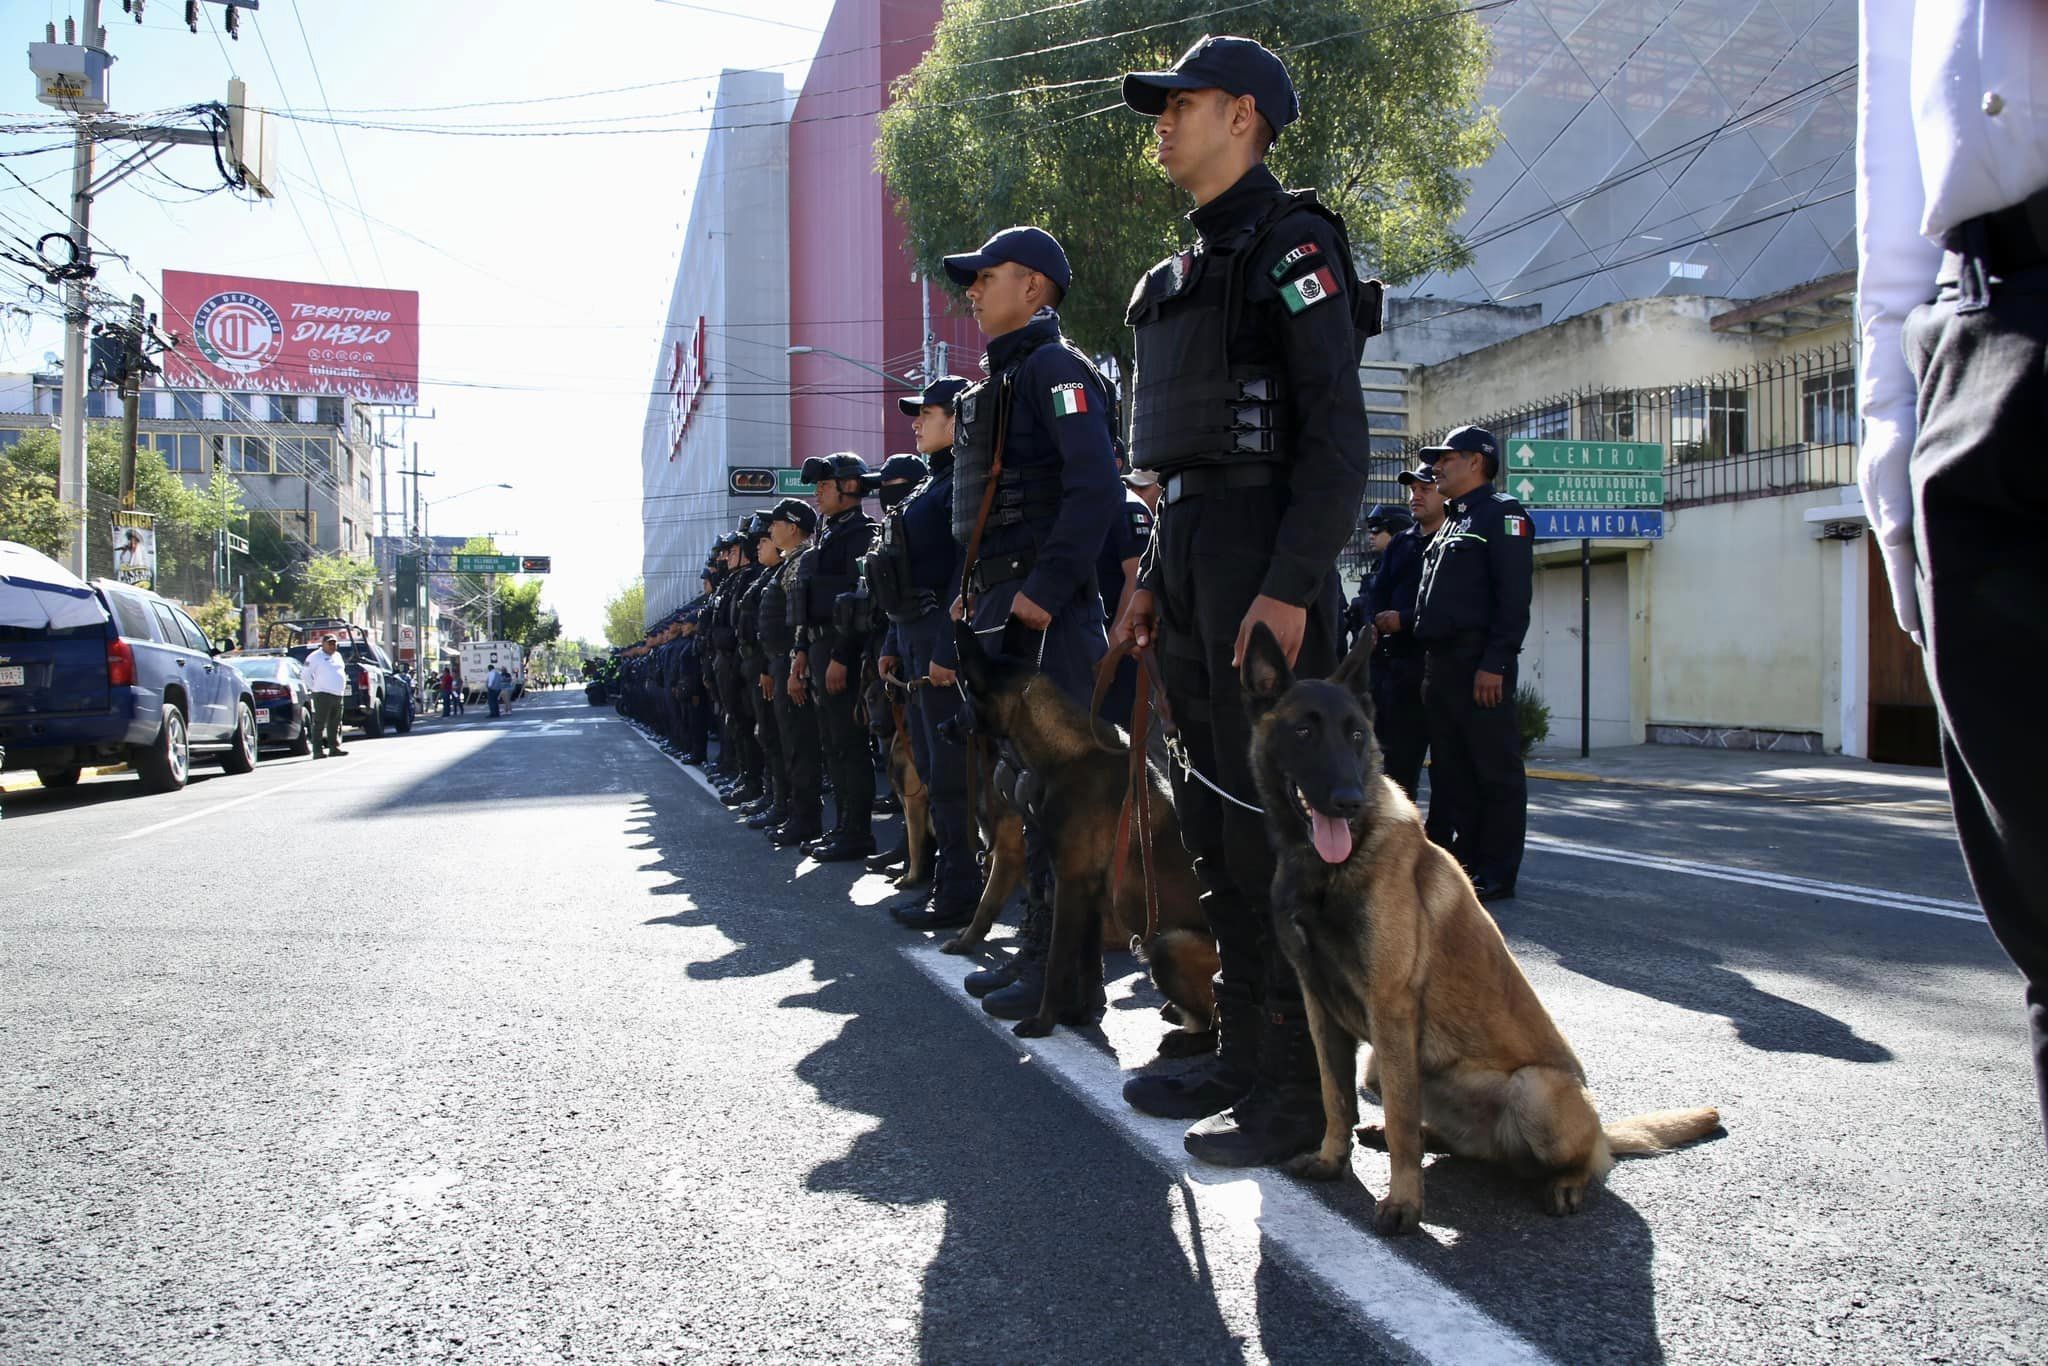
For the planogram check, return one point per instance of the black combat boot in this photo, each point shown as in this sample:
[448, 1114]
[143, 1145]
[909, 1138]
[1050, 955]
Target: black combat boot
[1282, 1116]
[982, 981]
[1220, 1080]
[889, 858]
[793, 833]
[1026, 989]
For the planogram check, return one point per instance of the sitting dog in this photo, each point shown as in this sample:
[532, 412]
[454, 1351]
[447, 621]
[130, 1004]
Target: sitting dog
[1077, 767]
[1394, 949]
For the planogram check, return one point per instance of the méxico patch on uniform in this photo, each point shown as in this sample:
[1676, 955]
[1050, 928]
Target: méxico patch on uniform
[1305, 250]
[1309, 290]
[1069, 399]
[1515, 526]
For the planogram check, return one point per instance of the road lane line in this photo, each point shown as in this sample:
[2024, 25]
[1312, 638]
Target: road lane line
[1353, 1265]
[1783, 882]
[217, 806]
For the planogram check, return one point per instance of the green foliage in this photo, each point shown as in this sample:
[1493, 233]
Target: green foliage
[1389, 92]
[30, 511]
[625, 614]
[334, 586]
[218, 616]
[1533, 715]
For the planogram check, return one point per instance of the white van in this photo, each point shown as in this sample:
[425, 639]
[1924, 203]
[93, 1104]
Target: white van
[479, 657]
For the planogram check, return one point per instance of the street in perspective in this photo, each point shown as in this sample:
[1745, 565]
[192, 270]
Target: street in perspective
[848, 683]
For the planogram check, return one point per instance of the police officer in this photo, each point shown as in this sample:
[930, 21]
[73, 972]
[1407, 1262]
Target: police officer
[1247, 403]
[914, 573]
[736, 685]
[790, 525]
[895, 481]
[770, 809]
[1387, 605]
[832, 654]
[726, 766]
[1030, 532]
[1471, 612]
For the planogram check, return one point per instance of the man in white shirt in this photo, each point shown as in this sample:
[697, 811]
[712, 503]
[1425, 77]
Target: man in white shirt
[494, 681]
[326, 674]
[1952, 300]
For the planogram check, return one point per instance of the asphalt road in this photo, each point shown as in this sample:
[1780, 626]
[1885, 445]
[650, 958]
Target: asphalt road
[500, 1041]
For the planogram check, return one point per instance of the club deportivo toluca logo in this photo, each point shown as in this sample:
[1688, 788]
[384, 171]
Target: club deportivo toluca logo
[238, 331]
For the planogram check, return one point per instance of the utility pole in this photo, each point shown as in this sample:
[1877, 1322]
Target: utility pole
[71, 436]
[131, 397]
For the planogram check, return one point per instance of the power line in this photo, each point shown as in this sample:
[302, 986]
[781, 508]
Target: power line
[307, 152]
[320, 84]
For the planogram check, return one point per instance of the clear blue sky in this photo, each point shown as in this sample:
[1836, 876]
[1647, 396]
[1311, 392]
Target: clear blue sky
[543, 263]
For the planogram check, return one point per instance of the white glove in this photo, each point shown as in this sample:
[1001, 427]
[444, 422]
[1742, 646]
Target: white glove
[1902, 570]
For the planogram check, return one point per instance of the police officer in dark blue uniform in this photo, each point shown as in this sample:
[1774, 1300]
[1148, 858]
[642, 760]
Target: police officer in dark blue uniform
[790, 525]
[1396, 658]
[895, 481]
[914, 573]
[1246, 400]
[734, 679]
[771, 807]
[1471, 612]
[832, 653]
[1030, 548]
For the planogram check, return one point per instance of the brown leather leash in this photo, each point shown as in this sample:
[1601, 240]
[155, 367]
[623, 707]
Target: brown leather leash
[973, 557]
[1149, 696]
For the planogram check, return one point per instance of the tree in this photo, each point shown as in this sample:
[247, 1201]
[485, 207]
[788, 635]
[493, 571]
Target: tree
[1389, 92]
[30, 511]
[334, 586]
[218, 616]
[187, 520]
[625, 614]
[521, 617]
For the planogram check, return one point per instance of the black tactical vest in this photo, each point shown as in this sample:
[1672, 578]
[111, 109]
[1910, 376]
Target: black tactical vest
[1192, 402]
[778, 637]
[1027, 494]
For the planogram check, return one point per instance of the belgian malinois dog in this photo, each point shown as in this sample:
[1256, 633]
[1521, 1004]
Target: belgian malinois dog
[916, 799]
[1393, 949]
[1079, 766]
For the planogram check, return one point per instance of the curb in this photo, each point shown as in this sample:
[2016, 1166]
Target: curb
[25, 781]
[1565, 775]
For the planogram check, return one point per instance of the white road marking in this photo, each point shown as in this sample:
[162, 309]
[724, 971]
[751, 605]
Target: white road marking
[1783, 882]
[1354, 1266]
[217, 806]
[693, 772]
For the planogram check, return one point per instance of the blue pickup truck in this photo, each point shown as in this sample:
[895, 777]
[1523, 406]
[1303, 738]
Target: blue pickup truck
[122, 677]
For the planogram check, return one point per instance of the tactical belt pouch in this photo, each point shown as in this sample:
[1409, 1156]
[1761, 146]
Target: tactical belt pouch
[991, 570]
[850, 613]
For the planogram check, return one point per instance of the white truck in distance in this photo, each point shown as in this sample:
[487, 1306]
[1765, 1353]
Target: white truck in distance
[480, 656]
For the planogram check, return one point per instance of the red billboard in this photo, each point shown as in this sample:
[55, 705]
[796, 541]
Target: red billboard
[280, 336]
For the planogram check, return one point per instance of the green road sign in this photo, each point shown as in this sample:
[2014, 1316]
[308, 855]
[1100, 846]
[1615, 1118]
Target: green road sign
[1586, 490]
[487, 564]
[790, 484]
[1586, 457]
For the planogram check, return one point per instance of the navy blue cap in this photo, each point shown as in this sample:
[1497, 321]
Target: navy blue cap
[839, 465]
[796, 511]
[1388, 517]
[1033, 248]
[1476, 440]
[1425, 475]
[940, 393]
[902, 467]
[1236, 66]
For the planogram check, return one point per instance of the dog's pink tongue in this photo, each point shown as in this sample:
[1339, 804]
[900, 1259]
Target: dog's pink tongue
[1332, 837]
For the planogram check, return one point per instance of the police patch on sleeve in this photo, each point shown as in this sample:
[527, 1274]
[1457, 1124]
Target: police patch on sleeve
[1141, 521]
[1069, 399]
[1514, 526]
[1310, 290]
[1300, 253]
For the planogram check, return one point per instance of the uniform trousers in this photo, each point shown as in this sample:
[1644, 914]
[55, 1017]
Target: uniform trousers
[1213, 550]
[802, 751]
[1478, 788]
[1399, 719]
[767, 729]
[845, 739]
[1979, 507]
[941, 762]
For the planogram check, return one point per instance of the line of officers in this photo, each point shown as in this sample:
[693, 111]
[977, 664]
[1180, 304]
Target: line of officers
[1248, 429]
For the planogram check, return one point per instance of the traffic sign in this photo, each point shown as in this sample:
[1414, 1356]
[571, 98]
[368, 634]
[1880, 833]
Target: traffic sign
[535, 564]
[790, 484]
[1586, 457]
[487, 564]
[742, 480]
[1597, 524]
[1587, 490]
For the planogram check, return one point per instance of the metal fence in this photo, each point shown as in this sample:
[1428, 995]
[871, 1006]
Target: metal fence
[1781, 426]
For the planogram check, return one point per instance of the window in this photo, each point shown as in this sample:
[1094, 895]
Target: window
[348, 533]
[292, 524]
[1386, 422]
[10, 435]
[166, 625]
[1608, 417]
[327, 412]
[1389, 445]
[1827, 405]
[131, 613]
[252, 455]
[186, 405]
[180, 453]
[194, 637]
[1553, 423]
[1709, 423]
[365, 488]
[319, 457]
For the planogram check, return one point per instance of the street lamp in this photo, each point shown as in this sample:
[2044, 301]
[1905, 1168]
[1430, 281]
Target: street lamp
[858, 364]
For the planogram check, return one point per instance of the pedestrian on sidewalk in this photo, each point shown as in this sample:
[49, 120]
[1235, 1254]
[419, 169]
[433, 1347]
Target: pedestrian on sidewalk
[493, 681]
[1952, 298]
[447, 692]
[326, 674]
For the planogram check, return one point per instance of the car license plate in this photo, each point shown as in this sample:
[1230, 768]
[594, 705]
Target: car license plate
[13, 676]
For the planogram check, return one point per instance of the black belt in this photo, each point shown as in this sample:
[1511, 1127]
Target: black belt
[2010, 239]
[1209, 478]
[991, 570]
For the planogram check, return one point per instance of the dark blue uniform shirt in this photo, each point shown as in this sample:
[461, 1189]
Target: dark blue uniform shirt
[1128, 536]
[925, 521]
[1478, 575]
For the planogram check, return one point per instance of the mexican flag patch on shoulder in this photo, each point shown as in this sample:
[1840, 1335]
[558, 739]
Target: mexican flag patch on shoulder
[1514, 526]
[1069, 399]
[1306, 249]
[1309, 290]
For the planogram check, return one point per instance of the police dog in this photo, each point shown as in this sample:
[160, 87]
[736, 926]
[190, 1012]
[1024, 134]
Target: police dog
[1078, 767]
[1394, 949]
[916, 800]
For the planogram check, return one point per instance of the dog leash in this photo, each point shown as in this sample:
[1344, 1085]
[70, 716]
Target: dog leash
[1150, 696]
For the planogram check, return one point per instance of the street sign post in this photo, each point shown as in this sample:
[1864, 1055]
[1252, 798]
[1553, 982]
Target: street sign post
[1574, 524]
[790, 484]
[1587, 457]
[1587, 490]
[487, 564]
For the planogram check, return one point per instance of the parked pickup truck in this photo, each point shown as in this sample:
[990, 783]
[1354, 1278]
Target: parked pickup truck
[378, 694]
[106, 673]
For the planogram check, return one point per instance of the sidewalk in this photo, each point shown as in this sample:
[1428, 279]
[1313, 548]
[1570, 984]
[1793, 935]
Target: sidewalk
[1777, 776]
